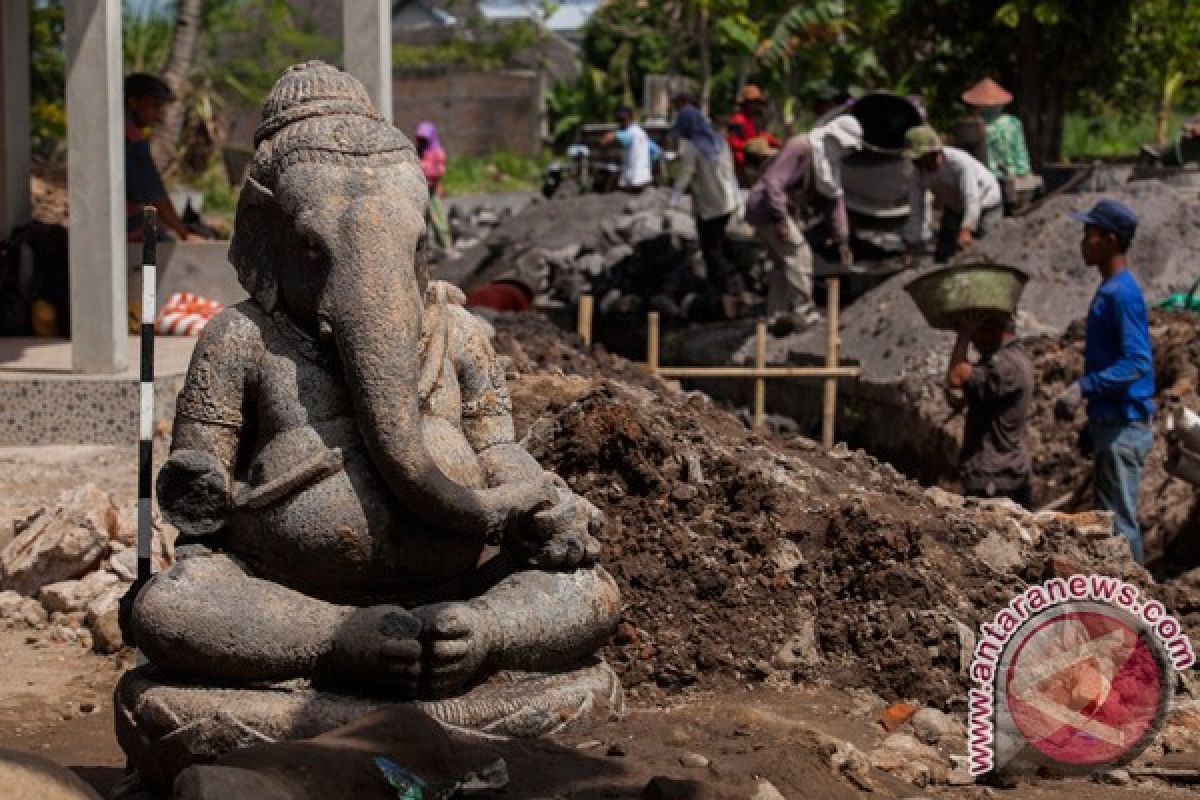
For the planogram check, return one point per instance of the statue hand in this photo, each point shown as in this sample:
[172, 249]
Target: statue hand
[454, 646]
[379, 645]
[194, 492]
[561, 536]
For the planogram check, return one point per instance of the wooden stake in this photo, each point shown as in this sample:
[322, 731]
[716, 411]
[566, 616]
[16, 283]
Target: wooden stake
[652, 341]
[829, 405]
[760, 384]
[584, 320]
[818, 373]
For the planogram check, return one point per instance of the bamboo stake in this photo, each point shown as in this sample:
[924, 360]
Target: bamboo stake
[760, 384]
[584, 321]
[829, 406]
[652, 341]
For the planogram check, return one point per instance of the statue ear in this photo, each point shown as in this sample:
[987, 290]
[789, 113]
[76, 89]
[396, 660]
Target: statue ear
[254, 250]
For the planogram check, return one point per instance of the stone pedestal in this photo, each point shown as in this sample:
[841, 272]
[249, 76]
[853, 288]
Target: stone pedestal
[166, 727]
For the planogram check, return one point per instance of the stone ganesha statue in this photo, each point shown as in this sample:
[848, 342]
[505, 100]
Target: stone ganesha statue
[353, 506]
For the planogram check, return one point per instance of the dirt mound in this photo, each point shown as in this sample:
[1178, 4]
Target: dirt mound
[746, 560]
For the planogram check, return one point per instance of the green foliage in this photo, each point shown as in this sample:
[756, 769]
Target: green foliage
[488, 46]
[219, 196]
[1109, 134]
[248, 43]
[498, 172]
[570, 105]
[47, 81]
[145, 37]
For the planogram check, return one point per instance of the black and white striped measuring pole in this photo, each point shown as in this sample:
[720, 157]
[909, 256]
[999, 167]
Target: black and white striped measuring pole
[145, 522]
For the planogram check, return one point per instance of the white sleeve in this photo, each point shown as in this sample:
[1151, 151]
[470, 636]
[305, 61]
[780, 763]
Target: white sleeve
[972, 199]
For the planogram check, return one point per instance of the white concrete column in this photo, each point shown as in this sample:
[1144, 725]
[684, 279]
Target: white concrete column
[96, 187]
[14, 108]
[367, 48]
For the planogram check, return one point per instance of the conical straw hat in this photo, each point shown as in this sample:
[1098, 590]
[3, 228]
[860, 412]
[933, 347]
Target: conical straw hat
[987, 93]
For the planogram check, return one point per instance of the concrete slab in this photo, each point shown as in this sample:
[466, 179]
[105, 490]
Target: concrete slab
[42, 402]
[50, 359]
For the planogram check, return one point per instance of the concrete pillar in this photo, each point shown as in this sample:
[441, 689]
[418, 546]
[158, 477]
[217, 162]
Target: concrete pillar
[367, 48]
[14, 106]
[96, 187]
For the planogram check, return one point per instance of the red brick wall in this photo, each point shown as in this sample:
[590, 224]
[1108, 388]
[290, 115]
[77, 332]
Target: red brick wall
[475, 112]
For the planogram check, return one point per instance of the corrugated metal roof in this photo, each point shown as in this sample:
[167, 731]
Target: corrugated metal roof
[569, 15]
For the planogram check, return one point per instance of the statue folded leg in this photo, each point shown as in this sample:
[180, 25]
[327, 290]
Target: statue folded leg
[207, 618]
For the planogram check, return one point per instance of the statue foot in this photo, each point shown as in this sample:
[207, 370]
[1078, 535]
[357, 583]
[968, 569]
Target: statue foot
[379, 646]
[455, 643]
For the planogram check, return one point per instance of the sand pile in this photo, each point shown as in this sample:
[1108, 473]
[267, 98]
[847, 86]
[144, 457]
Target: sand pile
[887, 335]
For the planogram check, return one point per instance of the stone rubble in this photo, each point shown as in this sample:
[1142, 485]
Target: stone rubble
[69, 564]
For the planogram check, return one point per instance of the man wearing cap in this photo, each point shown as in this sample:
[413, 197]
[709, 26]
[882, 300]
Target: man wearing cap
[1118, 367]
[994, 460]
[744, 127]
[145, 97]
[964, 188]
[1007, 155]
[806, 174]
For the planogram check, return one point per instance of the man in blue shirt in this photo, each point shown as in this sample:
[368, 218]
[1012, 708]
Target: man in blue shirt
[1118, 380]
[145, 98]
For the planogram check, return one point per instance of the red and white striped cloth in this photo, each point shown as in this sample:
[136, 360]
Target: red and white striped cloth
[185, 314]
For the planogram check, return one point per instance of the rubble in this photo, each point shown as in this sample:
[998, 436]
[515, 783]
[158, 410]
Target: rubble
[69, 565]
[632, 253]
[62, 544]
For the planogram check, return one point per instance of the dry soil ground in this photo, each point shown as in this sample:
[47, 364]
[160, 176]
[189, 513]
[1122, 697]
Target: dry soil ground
[56, 703]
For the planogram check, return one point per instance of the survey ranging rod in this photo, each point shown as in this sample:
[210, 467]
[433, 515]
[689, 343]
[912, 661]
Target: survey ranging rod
[145, 519]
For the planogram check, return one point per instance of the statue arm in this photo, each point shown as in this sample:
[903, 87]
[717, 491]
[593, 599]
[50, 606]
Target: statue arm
[195, 485]
[487, 408]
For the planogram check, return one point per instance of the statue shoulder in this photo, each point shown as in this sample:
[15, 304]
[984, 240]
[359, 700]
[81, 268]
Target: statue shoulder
[235, 333]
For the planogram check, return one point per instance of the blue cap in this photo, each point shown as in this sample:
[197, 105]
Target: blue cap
[1112, 216]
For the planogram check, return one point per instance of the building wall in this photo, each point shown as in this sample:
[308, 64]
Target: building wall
[475, 112]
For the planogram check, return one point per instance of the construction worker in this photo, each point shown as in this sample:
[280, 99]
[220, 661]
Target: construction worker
[1007, 154]
[638, 152]
[1118, 369]
[994, 460]
[706, 170]
[745, 126]
[145, 98]
[805, 174]
[433, 165]
[964, 188]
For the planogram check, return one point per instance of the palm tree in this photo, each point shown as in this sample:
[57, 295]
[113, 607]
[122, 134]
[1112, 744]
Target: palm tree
[179, 64]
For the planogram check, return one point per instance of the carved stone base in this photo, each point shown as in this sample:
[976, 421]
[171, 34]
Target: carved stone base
[165, 727]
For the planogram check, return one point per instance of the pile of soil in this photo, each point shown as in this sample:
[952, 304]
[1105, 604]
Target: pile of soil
[744, 559]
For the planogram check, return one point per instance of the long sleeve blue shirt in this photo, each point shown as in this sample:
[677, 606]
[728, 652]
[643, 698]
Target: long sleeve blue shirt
[1118, 365]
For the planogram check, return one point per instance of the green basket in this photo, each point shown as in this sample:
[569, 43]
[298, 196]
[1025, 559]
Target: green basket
[950, 295]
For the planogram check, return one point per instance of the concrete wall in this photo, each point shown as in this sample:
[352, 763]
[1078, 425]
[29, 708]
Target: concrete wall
[476, 112]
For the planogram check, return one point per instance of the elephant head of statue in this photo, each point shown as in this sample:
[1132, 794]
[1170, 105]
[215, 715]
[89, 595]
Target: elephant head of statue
[329, 235]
